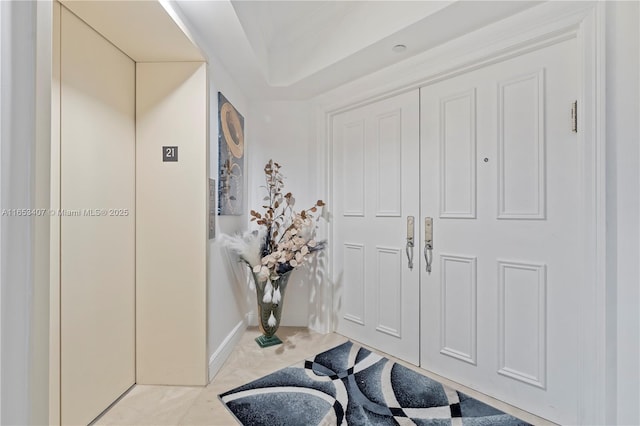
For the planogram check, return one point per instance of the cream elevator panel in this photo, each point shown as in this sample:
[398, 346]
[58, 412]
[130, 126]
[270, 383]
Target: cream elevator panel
[171, 224]
[97, 241]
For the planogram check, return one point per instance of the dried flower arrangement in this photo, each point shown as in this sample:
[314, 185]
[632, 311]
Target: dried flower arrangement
[284, 241]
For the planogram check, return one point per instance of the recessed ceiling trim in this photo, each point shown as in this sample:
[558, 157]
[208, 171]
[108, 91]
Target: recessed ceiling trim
[267, 55]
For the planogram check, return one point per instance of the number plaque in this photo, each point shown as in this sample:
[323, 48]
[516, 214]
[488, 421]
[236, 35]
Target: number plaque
[169, 153]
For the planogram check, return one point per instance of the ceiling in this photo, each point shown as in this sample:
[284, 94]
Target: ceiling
[299, 49]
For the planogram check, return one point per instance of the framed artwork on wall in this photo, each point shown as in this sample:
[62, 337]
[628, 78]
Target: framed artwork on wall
[230, 158]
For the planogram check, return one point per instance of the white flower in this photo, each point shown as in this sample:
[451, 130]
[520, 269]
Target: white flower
[276, 296]
[272, 320]
[267, 293]
[246, 246]
[262, 272]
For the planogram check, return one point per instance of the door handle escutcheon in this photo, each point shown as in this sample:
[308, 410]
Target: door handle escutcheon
[428, 242]
[410, 239]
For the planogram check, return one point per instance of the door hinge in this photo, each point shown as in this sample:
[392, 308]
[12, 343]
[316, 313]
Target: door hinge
[574, 117]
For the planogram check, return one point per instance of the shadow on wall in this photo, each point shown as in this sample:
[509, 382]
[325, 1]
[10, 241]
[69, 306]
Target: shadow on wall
[337, 288]
[237, 272]
[322, 288]
[317, 278]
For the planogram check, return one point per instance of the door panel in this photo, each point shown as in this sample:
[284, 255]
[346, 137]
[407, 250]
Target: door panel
[375, 164]
[97, 248]
[500, 177]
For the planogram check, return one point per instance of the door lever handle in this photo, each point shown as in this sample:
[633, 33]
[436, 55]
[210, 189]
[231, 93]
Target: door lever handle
[410, 238]
[428, 242]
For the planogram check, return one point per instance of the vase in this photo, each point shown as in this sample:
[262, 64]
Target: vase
[265, 310]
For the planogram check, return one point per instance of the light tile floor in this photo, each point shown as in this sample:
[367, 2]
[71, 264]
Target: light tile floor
[182, 405]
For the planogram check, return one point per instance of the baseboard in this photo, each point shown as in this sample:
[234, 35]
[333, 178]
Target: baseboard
[224, 350]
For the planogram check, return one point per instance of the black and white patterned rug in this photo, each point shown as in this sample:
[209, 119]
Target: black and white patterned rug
[350, 385]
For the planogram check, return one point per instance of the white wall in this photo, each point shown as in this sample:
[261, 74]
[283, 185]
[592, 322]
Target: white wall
[3, 36]
[17, 77]
[40, 316]
[25, 61]
[18, 89]
[285, 132]
[227, 285]
[623, 207]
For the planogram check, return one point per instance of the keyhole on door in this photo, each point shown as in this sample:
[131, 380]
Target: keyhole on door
[486, 160]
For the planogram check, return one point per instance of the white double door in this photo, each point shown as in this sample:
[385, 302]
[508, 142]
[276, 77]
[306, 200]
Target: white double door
[490, 156]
